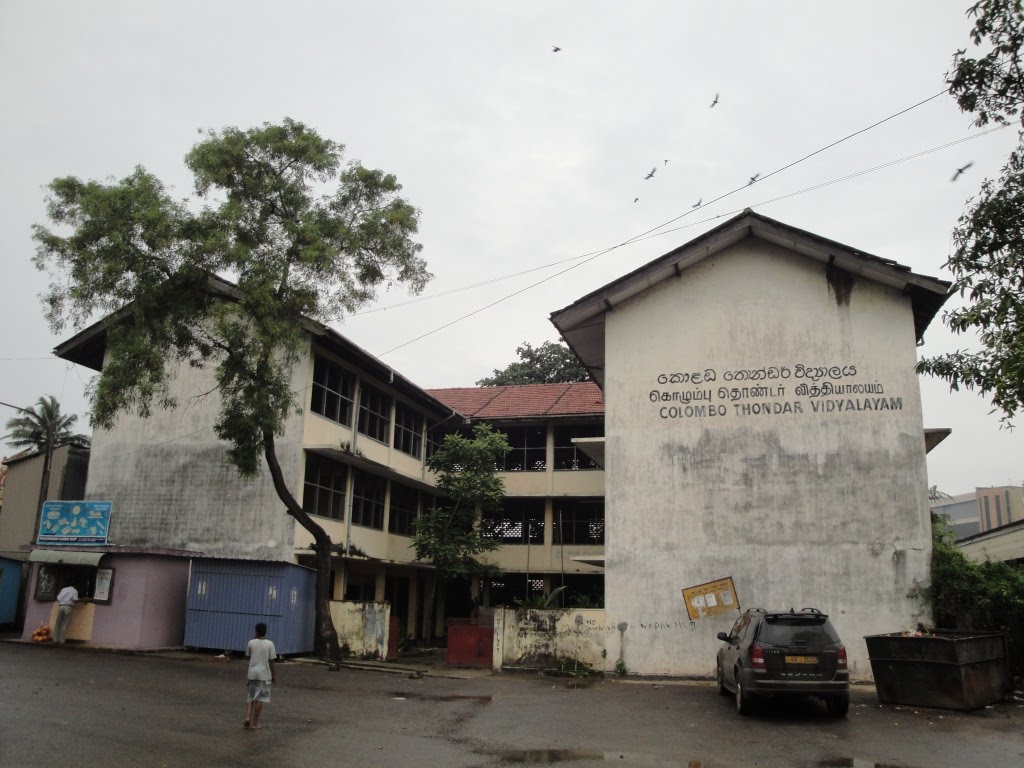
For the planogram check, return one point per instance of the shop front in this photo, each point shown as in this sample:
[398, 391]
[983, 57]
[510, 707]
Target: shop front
[129, 598]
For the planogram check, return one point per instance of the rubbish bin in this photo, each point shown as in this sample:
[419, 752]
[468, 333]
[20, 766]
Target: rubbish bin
[943, 668]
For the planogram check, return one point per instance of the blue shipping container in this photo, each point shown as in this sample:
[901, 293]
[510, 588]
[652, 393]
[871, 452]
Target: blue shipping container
[226, 598]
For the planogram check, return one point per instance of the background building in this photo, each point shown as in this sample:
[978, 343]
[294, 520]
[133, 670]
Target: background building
[552, 520]
[960, 512]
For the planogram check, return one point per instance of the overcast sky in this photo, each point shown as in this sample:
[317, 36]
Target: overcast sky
[518, 156]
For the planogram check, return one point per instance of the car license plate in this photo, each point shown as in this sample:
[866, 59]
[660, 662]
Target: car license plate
[801, 659]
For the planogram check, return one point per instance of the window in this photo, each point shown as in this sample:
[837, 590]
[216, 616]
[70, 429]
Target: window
[402, 512]
[578, 521]
[435, 436]
[53, 577]
[528, 452]
[520, 521]
[408, 430]
[368, 500]
[361, 587]
[567, 454]
[374, 413]
[332, 391]
[323, 493]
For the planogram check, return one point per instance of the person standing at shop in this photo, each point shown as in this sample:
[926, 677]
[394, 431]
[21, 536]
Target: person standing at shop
[66, 600]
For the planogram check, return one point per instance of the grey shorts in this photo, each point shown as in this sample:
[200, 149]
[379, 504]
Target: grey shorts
[259, 690]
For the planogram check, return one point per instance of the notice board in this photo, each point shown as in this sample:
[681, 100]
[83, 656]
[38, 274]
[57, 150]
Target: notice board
[711, 598]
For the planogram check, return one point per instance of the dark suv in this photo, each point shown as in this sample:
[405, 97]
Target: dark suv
[770, 653]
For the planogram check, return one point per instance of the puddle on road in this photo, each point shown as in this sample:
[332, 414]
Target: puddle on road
[538, 756]
[439, 697]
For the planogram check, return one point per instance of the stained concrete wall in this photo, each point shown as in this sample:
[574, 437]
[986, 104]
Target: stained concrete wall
[542, 638]
[763, 422]
[172, 485]
[362, 627]
[20, 519]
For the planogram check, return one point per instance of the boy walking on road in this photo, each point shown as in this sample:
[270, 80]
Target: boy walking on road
[261, 655]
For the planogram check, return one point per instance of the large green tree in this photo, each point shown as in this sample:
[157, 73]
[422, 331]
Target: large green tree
[454, 533]
[988, 258]
[304, 235]
[552, 362]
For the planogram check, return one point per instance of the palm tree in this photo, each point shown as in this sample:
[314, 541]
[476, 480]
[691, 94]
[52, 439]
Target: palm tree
[45, 429]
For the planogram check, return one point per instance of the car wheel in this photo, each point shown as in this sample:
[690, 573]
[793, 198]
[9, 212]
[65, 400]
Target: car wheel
[743, 702]
[838, 706]
[722, 690]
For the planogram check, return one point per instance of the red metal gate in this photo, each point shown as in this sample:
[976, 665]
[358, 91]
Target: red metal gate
[469, 644]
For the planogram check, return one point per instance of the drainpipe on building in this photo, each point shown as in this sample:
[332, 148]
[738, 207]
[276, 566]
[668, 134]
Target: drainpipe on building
[351, 489]
[561, 555]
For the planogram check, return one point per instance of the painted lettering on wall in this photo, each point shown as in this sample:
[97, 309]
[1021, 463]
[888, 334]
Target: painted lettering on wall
[783, 390]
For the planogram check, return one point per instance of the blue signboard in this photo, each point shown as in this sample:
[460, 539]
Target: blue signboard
[74, 522]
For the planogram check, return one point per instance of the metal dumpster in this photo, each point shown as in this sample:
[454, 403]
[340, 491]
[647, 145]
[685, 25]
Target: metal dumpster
[943, 668]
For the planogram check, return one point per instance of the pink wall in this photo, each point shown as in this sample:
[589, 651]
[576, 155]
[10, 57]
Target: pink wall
[147, 605]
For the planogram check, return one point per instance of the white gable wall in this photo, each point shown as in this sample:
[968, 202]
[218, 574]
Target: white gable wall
[802, 507]
[172, 485]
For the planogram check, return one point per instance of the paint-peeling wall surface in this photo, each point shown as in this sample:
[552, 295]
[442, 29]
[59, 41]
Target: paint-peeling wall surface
[569, 638]
[362, 627]
[172, 485]
[763, 422]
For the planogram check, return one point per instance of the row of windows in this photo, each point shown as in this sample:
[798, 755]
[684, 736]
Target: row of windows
[520, 520]
[334, 397]
[326, 483]
[529, 448]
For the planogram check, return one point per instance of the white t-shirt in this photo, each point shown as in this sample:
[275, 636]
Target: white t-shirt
[260, 652]
[67, 596]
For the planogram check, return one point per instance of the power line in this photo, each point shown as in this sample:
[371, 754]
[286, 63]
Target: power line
[653, 232]
[815, 187]
[643, 235]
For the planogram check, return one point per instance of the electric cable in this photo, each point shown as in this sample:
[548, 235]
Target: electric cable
[652, 233]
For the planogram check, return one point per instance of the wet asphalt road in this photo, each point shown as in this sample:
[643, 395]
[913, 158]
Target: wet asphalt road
[76, 708]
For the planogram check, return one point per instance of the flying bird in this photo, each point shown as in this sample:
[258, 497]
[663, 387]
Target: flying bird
[753, 179]
[555, 49]
[714, 102]
[635, 199]
[959, 171]
[666, 162]
[651, 174]
[697, 204]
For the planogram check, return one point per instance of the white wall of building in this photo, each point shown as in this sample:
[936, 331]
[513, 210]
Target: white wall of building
[806, 499]
[172, 485]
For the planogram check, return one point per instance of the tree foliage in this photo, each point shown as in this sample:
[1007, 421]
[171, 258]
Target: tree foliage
[988, 258]
[453, 534]
[304, 235]
[44, 427]
[969, 595]
[550, 363]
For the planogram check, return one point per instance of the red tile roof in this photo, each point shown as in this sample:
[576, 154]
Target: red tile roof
[524, 401]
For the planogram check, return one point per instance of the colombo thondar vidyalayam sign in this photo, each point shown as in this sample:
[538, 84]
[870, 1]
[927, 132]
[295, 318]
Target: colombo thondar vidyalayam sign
[74, 522]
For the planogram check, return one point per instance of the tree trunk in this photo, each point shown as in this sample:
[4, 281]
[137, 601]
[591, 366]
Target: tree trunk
[326, 638]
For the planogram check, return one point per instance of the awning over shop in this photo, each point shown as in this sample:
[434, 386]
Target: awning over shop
[68, 558]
